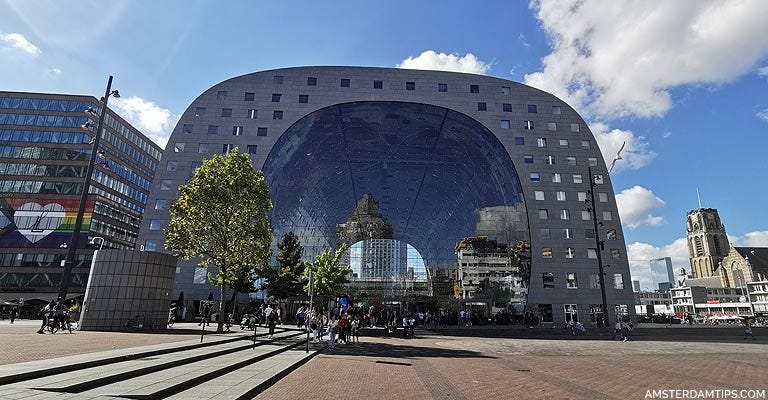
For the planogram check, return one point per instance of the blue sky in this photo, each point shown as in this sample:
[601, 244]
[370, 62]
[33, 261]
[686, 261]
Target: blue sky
[685, 83]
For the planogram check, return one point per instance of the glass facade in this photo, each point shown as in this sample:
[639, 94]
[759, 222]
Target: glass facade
[413, 159]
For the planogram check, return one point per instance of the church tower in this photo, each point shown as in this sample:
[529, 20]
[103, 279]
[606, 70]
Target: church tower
[707, 242]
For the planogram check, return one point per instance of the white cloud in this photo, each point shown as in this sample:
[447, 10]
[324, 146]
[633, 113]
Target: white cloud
[152, 120]
[636, 205]
[622, 58]
[446, 62]
[751, 239]
[635, 154]
[17, 41]
[763, 71]
[523, 40]
[640, 255]
[763, 115]
[52, 73]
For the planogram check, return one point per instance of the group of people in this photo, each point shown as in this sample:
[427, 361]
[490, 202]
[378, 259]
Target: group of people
[55, 313]
[342, 327]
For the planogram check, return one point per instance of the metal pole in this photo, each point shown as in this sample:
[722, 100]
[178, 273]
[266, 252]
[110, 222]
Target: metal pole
[606, 320]
[72, 248]
[311, 294]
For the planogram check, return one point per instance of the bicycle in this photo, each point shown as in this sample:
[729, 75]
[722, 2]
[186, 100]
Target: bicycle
[140, 322]
[58, 322]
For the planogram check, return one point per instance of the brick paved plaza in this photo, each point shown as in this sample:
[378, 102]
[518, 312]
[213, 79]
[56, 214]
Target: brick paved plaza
[514, 363]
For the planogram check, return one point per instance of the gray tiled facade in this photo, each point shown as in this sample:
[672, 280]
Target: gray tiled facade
[124, 284]
[504, 101]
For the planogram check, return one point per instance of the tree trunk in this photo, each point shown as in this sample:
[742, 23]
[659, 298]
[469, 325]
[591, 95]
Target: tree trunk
[220, 328]
[232, 301]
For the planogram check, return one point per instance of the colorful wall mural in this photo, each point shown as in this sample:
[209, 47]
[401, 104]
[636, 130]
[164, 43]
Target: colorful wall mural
[35, 222]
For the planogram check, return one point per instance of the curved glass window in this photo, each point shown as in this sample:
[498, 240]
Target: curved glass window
[424, 175]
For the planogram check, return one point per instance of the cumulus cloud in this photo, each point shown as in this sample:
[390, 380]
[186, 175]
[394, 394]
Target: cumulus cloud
[152, 120]
[640, 254]
[446, 62]
[635, 154]
[751, 239]
[622, 58]
[636, 205]
[763, 115]
[17, 41]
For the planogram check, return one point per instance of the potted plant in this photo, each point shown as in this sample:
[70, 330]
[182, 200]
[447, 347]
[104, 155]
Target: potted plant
[74, 312]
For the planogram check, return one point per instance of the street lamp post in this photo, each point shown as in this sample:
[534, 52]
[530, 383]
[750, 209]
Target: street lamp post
[73, 242]
[599, 243]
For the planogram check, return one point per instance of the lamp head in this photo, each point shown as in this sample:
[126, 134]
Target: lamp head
[115, 94]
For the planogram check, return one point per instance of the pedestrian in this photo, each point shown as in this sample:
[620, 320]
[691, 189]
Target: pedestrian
[748, 332]
[617, 334]
[461, 318]
[270, 317]
[13, 313]
[333, 325]
[46, 313]
[355, 337]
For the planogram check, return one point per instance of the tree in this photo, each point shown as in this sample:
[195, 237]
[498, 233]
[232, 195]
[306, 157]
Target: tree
[330, 277]
[287, 279]
[220, 218]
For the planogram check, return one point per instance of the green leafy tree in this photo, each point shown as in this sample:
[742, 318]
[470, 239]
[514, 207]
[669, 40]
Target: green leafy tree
[220, 219]
[330, 276]
[287, 279]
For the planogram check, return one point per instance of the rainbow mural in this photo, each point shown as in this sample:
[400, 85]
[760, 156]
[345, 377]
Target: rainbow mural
[34, 222]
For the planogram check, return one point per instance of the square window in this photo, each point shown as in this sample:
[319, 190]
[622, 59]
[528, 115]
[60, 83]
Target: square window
[560, 196]
[506, 90]
[249, 96]
[165, 184]
[556, 178]
[567, 233]
[577, 178]
[544, 233]
[592, 161]
[178, 147]
[548, 280]
[581, 196]
[442, 87]
[504, 124]
[591, 253]
[549, 160]
[278, 80]
[378, 84]
[598, 179]
[227, 147]
[188, 128]
[161, 204]
[556, 110]
[213, 130]
[170, 166]
[615, 253]
[252, 114]
[610, 234]
[570, 278]
[607, 216]
[586, 216]
[203, 148]
[506, 107]
[528, 159]
[252, 148]
[543, 214]
[551, 126]
[589, 233]
[528, 125]
[237, 130]
[276, 97]
[538, 195]
[410, 85]
[535, 177]
[199, 111]
[563, 214]
[541, 142]
[226, 112]
[519, 141]
[221, 95]
[531, 109]
[345, 82]
[481, 106]
[261, 132]
[563, 142]
[311, 81]
[277, 115]
[571, 160]
[150, 245]
[546, 252]
[574, 127]
[304, 98]
[474, 88]
[602, 197]
[585, 144]
[618, 281]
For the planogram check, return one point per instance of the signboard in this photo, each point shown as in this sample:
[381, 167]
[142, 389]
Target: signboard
[715, 301]
[344, 300]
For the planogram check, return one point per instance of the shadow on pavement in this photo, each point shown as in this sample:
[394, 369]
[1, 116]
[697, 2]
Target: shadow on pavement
[403, 351]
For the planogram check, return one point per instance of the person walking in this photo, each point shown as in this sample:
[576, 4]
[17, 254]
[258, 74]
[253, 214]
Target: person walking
[270, 319]
[748, 332]
[46, 312]
[14, 312]
[617, 334]
[333, 325]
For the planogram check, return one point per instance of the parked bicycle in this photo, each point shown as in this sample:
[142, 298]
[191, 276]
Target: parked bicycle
[140, 322]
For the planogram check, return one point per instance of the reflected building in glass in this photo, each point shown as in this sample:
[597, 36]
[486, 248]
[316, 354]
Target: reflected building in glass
[425, 158]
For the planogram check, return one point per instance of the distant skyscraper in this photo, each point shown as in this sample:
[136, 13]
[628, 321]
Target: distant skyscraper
[661, 268]
[665, 286]
[707, 242]
[636, 286]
